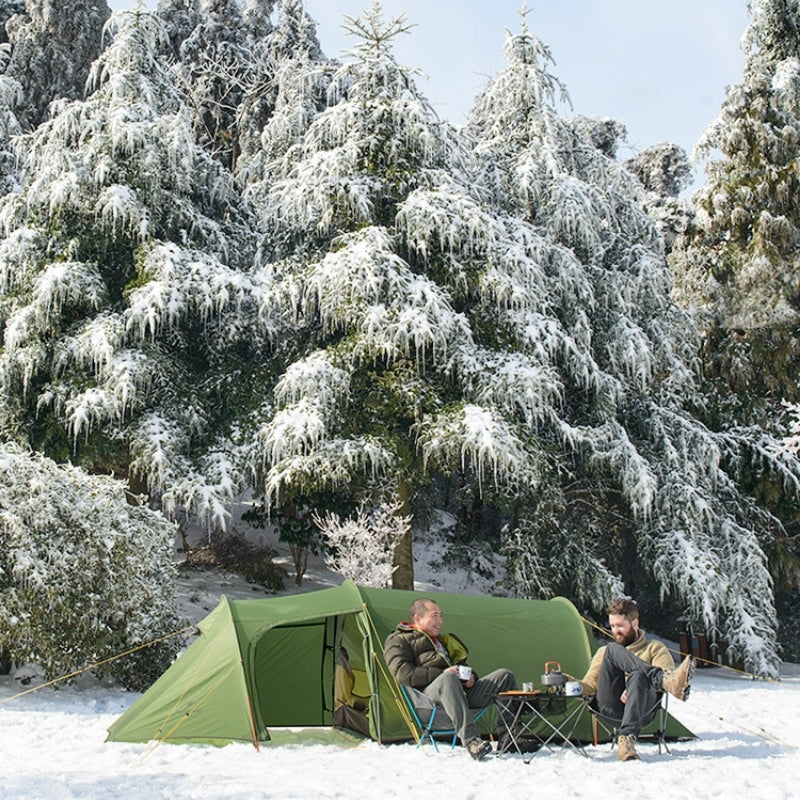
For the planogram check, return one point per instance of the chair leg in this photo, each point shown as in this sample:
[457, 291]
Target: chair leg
[428, 736]
[662, 729]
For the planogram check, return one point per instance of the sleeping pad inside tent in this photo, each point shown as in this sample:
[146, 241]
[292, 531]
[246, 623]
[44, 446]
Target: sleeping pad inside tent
[316, 660]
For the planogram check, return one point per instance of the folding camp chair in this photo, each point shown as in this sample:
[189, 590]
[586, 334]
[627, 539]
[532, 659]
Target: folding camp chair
[655, 730]
[430, 717]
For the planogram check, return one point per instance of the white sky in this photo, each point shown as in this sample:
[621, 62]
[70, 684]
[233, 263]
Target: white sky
[660, 67]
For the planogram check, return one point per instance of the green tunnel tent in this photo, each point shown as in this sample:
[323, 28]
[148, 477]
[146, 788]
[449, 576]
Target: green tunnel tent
[276, 663]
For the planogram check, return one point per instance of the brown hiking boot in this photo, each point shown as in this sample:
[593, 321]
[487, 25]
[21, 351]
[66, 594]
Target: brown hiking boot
[478, 748]
[626, 748]
[677, 681]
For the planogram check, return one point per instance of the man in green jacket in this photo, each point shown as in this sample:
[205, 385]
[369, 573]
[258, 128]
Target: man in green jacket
[627, 677]
[420, 656]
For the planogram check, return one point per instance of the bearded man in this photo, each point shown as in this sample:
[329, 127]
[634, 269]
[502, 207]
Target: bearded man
[628, 676]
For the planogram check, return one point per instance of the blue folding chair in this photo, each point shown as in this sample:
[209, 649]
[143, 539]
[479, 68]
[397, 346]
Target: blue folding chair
[430, 717]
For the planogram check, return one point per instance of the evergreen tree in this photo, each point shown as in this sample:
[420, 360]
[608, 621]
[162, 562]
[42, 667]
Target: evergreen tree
[736, 267]
[10, 96]
[664, 171]
[643, 483]
[741, 259]
[126, 344]
[282, 80]
[7, 10]
[377, 250]
[179, 18]
[54, 45]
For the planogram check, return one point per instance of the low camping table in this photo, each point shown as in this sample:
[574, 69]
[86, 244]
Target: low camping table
[519, 713]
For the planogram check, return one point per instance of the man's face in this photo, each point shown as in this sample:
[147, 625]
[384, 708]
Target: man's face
[623, 630]
[431, 621]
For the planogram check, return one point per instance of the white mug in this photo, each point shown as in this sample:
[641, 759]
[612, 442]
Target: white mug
[464, 672]
[572, 688]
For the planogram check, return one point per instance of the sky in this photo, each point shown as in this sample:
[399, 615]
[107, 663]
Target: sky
[659, 67]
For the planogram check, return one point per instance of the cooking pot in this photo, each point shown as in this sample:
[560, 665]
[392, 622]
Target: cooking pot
[553, 676]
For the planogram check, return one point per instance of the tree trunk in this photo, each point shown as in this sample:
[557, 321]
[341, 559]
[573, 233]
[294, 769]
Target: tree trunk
[403, 558]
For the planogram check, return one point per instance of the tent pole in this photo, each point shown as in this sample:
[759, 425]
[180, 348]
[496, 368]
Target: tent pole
[390, 682]
[253, 722]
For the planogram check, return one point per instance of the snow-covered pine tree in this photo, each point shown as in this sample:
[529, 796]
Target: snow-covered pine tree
[664, 171]
[7, 10]
[179, 19]
[742, 257]
[286, 87]
[86, 572]
[643, 484]
[129, 342]
[10, 96]
[377, 250]
[737, 266]
[54, 44]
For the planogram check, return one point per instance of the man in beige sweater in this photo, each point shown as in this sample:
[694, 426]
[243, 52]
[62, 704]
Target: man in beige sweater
[627, 677]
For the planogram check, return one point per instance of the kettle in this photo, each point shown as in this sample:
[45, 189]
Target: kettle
[553, 676]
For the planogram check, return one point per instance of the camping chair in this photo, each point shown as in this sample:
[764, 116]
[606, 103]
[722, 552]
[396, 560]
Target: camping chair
[430, 717]
[654, 730]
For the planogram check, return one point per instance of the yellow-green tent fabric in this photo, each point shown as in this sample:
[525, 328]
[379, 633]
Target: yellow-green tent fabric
[272, 663]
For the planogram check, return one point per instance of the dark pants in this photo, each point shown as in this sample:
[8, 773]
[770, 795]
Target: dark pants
[620, 672]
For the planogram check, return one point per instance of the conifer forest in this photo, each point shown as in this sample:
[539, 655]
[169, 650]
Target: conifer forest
[233, 269]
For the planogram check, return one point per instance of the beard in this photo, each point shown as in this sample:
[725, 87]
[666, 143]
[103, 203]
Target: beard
[627, 638]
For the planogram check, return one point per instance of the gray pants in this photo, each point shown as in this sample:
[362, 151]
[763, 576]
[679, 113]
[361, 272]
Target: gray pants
[448, 690]
[620, 672]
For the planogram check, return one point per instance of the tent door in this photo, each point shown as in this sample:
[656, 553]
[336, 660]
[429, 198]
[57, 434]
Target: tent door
[293, 673]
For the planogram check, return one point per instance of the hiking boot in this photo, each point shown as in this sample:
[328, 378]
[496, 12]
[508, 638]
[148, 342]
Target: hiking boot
[626, 748]
[478, 748]
[676, 681]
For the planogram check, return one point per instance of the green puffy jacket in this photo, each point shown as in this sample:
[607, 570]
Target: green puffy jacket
[413, 659]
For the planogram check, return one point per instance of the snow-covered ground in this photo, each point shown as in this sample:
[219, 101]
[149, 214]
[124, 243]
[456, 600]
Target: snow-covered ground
[52, 745]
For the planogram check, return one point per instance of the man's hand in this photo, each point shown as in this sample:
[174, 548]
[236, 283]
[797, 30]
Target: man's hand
[624, 697]
[467, 684]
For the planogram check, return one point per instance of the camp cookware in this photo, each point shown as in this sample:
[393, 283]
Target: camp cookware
[553, 676]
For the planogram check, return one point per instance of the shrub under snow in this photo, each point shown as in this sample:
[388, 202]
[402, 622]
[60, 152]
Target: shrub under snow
[84, 574]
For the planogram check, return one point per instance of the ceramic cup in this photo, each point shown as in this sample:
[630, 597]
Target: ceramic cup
[464, 672]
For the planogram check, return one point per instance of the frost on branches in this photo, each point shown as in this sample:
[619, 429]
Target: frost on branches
[389, 306]
[379, 254]
[122, 289]
[361, 548]
[86, 572]
[741, 260]
[592, 304]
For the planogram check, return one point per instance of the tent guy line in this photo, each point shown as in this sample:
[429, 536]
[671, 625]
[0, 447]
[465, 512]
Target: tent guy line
[77, 672]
